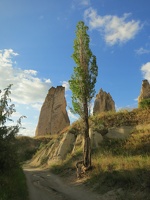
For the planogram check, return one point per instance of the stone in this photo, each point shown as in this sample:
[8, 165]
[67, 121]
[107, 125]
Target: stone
[122, 132]
[78, 143]
[53, 116]
[56, 150]
[103, 102]
[145, 91]
[66, 145]
[96, 138]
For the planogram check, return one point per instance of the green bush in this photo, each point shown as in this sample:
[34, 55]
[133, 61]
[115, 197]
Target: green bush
[8, 155]
[12, 179]
[145, 103]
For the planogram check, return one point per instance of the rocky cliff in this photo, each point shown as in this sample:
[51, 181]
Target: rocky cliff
[53, 116]
[145, 91]
[103, 102]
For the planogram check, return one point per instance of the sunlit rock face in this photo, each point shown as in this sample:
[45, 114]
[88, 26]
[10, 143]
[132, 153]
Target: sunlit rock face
[53, 116]
[103, 102]
[145, 91]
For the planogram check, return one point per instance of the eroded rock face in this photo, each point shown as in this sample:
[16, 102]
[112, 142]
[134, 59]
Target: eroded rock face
[145, 91]
[122, 132]
[53, 116]
[103, 102]
[96, 138]
[65, 145]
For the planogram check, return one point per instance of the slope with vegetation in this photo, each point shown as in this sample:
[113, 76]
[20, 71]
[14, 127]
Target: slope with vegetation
[120, 167]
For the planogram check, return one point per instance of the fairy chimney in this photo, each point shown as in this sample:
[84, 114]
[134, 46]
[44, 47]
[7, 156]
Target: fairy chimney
[53, 116]
[103, 102]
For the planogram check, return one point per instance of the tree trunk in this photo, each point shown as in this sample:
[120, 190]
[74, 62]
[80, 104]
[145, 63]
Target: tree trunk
[87, 153]
[87, 142]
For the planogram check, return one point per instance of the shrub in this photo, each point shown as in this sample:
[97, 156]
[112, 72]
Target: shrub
[145, 103]
[8, 156]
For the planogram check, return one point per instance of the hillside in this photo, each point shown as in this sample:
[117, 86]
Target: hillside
[121, 167]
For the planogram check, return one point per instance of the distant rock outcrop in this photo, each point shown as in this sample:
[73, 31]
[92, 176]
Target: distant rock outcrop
[103, 102]
[145, 91]
[53, 116]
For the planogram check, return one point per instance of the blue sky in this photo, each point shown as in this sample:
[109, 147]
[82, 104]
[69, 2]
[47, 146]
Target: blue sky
[36, 44]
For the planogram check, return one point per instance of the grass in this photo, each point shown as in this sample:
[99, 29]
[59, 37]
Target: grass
[67, 166]
[28, 146]
[13, 182]
[121, 166]
[118, 165]
[13, 186]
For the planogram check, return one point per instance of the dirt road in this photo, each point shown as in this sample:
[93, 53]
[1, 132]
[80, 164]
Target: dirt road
[43, 185]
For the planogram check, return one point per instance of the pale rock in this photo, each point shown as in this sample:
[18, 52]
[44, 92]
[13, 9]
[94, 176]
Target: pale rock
[53, 116]
[96, 138]
[122, 132]
[103, 102]
[78, 143]
[66, 145]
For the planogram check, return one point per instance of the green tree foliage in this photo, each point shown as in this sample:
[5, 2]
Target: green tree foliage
[8, 156]
[82, 83]
[145, 103]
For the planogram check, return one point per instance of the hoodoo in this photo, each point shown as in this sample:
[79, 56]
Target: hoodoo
[53, 116]
[103, 102]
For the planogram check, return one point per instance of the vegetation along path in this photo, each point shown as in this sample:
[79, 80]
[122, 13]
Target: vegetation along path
[44, 185]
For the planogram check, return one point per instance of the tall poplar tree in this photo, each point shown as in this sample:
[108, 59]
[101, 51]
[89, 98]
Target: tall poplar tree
[82, 83]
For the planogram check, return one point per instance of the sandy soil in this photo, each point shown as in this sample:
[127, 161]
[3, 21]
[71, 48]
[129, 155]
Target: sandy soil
[43, 185]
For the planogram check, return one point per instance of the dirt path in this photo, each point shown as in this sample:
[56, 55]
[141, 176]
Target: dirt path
[43, 185]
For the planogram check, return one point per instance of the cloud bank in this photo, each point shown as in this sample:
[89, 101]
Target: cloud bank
[27, 87]
[113, 28]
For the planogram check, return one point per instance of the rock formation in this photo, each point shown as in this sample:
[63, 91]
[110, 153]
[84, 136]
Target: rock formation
[53, 116]
[122, 132]
[96, 138]
[145, 91]
[69, 143]
[103, 102]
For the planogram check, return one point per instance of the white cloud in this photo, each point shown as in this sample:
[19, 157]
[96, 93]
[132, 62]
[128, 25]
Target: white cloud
[31, 72]
[80, 3]
[72, 117]
[114, 29]
[146, 71]
[66, 85]
[141, 51]
[28, 90]
[47, 81]
[29, 131]
[37, 106]
[27, 87]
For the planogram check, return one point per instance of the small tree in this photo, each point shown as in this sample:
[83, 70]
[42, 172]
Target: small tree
[8, 158]
[82, 84]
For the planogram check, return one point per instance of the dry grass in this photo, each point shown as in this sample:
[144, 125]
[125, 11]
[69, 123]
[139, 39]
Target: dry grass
[118, 164]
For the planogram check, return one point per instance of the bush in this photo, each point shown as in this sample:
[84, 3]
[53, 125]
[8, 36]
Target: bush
[8, 156]
[145, 103]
